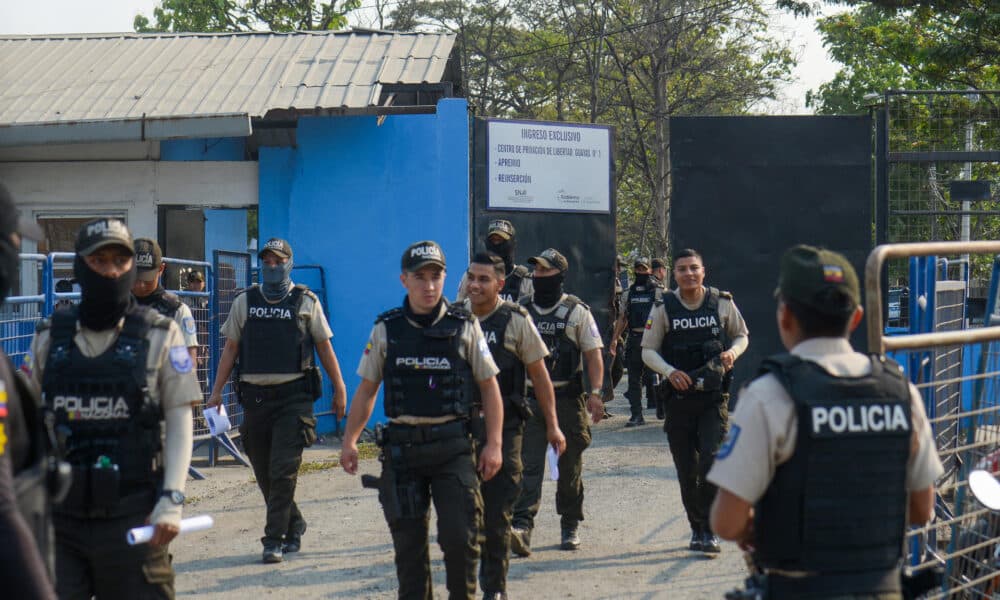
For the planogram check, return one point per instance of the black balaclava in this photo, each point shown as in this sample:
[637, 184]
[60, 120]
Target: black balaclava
[422, 320]
[152, 297]
[275, 280]
[641, 279]
[103, 301]
[548, 290]
[505, 250]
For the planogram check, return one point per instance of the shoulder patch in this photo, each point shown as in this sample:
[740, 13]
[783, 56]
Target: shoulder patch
[729, 443]
[388, 315]
[180, 359]
[188, 324]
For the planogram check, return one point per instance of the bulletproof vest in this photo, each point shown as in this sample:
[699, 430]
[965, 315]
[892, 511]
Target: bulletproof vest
[838, 506]
[163, 302]
[640, 302]
[565, 361]
[695, 336]
[272, 340]
[511, 290]
[511, 376]
[426, 373]
[102, 406]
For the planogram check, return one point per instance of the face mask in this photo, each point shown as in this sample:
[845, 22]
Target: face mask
[505, 250]
[276, 280]
[548, 290]
[152, 297]
[641, 278]
[8, 266]
[103, 301]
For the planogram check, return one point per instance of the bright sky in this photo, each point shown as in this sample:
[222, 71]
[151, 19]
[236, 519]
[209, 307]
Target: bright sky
[97, 16]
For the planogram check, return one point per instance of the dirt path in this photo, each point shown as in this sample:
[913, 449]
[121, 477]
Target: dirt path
[634, 538]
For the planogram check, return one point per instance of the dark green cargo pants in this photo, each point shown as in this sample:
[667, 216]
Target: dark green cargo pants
[92, 558]
[695, 427]
[571, 411]
[499, 494]
[274, 433]
[413, 475]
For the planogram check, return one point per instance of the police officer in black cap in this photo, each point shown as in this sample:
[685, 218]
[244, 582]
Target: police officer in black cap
[829, 454]
[692, 338]
[637, 301]
[120, 382]
[659, 274]
[22, 565]
[501, 241]
[147, 290]
[273, 329]
[432, 357]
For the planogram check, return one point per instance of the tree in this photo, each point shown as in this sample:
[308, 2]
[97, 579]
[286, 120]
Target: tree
[248, 15]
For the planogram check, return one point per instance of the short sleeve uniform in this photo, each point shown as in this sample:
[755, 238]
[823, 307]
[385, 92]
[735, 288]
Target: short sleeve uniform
[521, 337]
[170, 373]
[581, 329]
[186, 325]
[764, 426]
[310, 318]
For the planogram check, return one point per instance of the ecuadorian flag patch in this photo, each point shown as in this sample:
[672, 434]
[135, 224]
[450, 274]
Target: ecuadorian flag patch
[833, 274]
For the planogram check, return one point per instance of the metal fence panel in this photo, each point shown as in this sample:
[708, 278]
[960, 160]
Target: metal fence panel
[231, 273]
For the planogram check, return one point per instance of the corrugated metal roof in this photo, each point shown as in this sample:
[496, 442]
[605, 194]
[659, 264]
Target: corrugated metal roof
[67, 78]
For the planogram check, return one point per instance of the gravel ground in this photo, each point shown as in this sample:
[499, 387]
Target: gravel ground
[634, 538]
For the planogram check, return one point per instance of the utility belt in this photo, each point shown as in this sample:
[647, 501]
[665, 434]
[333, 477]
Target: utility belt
[772, 586]
[573, 389]
[399, 434]
[96, 494]
[309, 385]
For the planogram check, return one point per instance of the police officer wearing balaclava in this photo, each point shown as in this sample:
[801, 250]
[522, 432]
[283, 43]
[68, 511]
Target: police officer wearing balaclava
[569, 331]
[501, 241]
[120, 382]
[149, 292]
[273, 329]
[830, 454]
[22, 566]
[637, 300]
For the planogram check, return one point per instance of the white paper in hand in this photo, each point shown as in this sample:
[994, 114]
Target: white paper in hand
[141, 535]
[218, 421]
[985, 488]
[553, 463]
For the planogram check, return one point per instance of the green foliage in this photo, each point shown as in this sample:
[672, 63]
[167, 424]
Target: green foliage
[247, 15]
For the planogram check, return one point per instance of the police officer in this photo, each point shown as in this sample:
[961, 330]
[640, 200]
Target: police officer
[22, 564]
[433, 357]
[829, 454]
[571, 335]
[659, 274]
[637, 302]
[120, 382]
[273, 329]
[517, 349]
[692, 338]
[147, 290]
[500, 240]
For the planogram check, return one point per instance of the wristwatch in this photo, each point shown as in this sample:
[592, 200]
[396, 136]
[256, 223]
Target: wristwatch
[595, 392]
[176, 496]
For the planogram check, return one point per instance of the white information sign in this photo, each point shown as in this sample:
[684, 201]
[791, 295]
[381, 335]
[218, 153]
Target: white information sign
[561, 167]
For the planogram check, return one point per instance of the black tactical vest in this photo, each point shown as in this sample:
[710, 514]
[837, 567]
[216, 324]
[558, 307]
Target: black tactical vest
[640, 302]
[272, 340]
[511, 291]
[103, 407]
[838, 506]
[511, 377]
[565, 361]
[426, 374]
[165, 303]
[695, 336]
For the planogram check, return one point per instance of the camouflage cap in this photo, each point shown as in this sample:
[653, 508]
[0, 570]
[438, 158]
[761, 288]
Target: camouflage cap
[278, 246]
[550, 258]
[501, 227]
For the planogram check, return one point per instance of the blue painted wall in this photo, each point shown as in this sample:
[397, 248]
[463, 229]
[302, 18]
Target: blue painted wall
[353, 195]
[204, 149]
[225, 229]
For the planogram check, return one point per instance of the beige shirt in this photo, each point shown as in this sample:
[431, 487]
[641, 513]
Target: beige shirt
[658, 325]
[764, 426]
[310, 318]
[581, 329]
[186, 325]
[170, 374]
[526, 288]
[521, 337]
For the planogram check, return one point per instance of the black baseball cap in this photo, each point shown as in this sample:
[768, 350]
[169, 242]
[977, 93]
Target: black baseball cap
[148, 258]
[550, 258]
[421, 254]
[195, 276]
[501, 227]
[820, 279]
[99, 233]
[278, 246]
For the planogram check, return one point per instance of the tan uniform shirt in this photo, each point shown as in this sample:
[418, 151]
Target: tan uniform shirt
[521, 337]
[764, 426]
[170, 375]
[310, 318]
[581, 329]
[186, 325]
[658, 325]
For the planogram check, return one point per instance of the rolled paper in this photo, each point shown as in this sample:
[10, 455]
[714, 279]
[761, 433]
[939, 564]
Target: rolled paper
[142, 535]
[553, 463]
[218, 421]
